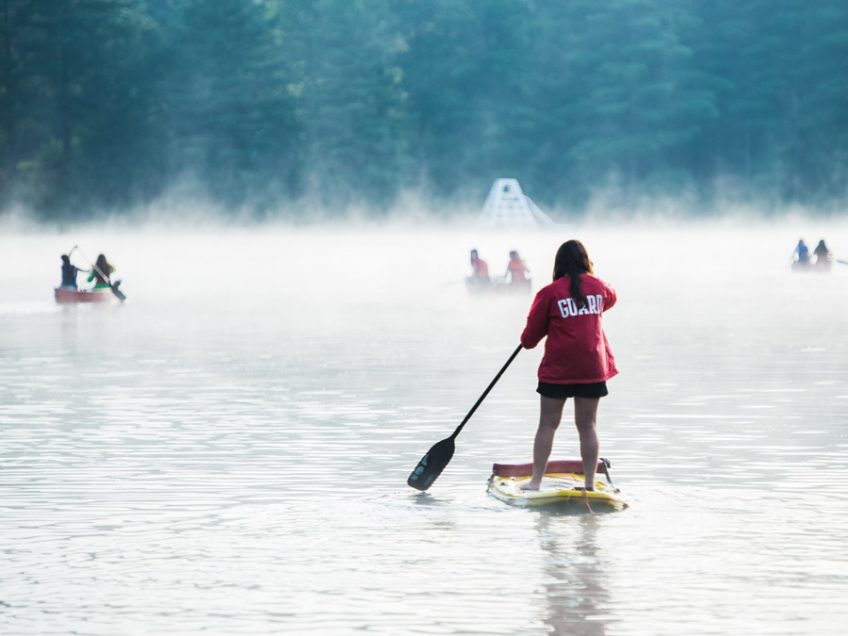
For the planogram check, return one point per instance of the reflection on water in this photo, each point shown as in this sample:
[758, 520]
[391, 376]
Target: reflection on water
[228, 451]
[574, 571]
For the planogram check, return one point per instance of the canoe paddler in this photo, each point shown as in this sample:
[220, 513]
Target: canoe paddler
[822, 253]
[479, 270]
[803, 253]
[578, 360]
[516, 270]
[69, 273]
[101, 273]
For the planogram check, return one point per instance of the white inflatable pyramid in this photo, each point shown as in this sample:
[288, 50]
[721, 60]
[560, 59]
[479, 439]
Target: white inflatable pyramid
[507, 207]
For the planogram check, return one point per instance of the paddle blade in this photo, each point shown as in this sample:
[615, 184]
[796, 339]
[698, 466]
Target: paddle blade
[432, 465]
[118, 293]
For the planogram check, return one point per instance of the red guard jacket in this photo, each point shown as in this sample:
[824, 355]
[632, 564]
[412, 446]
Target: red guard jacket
[576, 351]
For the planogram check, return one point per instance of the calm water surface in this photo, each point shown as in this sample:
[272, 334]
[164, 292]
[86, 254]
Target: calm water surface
[227, 452]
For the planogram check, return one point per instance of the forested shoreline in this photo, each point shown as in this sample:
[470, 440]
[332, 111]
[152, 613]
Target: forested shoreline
[107, 104]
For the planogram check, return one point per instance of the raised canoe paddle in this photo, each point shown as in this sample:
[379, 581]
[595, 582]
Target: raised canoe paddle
[113, 286]
[434, 462]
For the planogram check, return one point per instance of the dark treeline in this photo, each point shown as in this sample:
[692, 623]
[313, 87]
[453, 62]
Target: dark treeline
[109, 103]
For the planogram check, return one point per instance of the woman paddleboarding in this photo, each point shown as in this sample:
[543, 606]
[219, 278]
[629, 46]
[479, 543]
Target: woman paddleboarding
[578, 360]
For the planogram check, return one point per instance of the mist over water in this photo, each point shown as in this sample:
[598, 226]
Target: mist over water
[227, 452]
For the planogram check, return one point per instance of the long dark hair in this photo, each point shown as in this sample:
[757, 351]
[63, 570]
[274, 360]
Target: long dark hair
[103, 265]
[571, 260]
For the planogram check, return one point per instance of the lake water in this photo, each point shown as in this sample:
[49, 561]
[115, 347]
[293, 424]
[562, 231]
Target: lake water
[227, 452]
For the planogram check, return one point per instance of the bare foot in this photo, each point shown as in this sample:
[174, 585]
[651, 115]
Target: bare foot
[530, 485]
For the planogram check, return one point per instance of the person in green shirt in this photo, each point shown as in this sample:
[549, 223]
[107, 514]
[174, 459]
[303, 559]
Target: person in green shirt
[101, 272]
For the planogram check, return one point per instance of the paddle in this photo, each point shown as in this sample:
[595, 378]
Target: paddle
[841, 261]
[434, 462]
[113, 286]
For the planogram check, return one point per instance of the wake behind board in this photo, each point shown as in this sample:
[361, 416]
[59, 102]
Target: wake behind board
[562, 485]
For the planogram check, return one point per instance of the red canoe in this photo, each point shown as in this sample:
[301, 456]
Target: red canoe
[66, 296]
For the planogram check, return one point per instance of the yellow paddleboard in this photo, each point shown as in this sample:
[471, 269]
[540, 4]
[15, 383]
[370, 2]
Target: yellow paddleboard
[562, 484]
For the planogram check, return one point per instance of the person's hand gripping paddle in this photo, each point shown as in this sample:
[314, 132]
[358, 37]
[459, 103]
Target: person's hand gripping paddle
[434, 462]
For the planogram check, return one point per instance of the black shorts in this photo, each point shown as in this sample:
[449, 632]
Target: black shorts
[562, 391]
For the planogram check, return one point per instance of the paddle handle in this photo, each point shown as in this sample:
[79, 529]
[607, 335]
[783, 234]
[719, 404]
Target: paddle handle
[486, 392]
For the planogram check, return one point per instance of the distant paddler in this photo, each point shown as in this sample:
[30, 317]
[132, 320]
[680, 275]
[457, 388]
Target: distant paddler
[578, 360]
[516, 271]
[479, 271]
[823, 256]
[69, 272]
[101, 274]
[801, 255]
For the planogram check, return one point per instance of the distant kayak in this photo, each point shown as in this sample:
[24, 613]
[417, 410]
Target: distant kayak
[562, 485]
[65, 296]
[823, 266]
[497, 286]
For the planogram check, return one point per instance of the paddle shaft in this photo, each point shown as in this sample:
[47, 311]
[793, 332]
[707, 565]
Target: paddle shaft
[486, 392]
